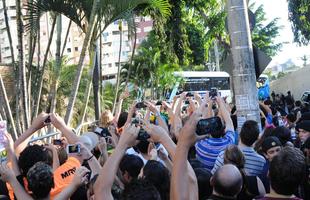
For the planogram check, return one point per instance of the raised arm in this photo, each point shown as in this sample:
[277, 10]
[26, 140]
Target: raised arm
[23, 140]
[8, 175]
[67, 132]
[185, 187]
[90, 159]
[118, 110]
[103, 185]
[9, 146]
[225, 114]
[56, 163]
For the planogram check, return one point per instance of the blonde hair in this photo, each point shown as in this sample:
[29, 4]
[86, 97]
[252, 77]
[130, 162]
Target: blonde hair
[106, 118]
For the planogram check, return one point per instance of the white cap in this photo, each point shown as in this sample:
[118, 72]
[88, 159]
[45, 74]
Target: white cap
[89, 139]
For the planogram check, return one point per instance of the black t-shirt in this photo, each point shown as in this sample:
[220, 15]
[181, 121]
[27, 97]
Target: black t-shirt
[215, 197]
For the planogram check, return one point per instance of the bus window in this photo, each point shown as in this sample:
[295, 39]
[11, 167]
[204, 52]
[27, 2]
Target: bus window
[221, 83]
[197, 84]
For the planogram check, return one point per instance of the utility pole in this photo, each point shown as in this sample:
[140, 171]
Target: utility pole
[243, 77]
[217, 56]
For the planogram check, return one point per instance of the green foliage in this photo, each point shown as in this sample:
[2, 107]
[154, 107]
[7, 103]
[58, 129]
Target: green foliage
[299, 15]
[67, 74]
[263, 36]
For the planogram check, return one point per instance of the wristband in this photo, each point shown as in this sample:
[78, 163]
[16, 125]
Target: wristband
[89, 158]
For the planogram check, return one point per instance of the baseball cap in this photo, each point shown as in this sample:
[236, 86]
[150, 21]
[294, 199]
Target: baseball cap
[270, 142]
[89, 139]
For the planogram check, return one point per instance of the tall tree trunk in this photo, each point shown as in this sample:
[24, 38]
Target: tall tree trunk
[77, 79]
[244, 78]
[86, 98]
[65, 41]
[5, 103]
[21, 63]
[53, 92]
[8, 29]
[100, 64]
[119, 64]
[96, 83]
[133, 53]
[41, 73]
[17, 100]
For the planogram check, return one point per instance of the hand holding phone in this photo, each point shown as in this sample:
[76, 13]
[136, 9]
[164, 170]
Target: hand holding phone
[208, 126]
[141, 105]
[213, 93]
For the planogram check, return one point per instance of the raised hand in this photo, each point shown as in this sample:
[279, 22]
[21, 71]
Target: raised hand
[129, 136]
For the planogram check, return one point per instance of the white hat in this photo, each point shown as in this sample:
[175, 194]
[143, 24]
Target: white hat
[89, 139]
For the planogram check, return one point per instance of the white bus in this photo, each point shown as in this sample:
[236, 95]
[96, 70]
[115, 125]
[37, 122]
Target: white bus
[202, 81]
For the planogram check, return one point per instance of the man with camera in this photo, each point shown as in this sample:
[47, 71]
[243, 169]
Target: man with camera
[220, 136]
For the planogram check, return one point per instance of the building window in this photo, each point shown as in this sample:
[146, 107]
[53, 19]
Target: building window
[115, 32]
[69, 50]
[110, 65]
[76, 48]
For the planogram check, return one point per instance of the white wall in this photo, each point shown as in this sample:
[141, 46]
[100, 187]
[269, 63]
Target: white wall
[297, 82]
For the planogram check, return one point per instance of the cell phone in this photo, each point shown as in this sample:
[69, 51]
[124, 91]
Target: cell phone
[159, 103]
[143, 135]
[213, 93]
[140, 105]
[73, 148]
[102, 132]
[189, 94]
[208, 126]
[47, 120]
[57, 142]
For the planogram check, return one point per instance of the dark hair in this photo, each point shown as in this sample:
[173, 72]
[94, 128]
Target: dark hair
[234, 156]
[291, 117]
[132, 164]
[287, 170]
[140, 190]
[258, 144]
[122, 119]
[249, 132]
[159, 176]
[143, 146]
[282, 133]
[204, 187]
[30, 156]
[40, 180]
[298, 103]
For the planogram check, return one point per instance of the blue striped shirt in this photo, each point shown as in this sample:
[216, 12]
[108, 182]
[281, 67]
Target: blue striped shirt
[254, 163]
[207, 150]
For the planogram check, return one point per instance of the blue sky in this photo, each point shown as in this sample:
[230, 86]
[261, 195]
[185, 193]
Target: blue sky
[279, 9]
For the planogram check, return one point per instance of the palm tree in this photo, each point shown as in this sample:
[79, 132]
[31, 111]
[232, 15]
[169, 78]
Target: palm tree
[58, 65]
[120, 28]
[88, 18]
[21, 65]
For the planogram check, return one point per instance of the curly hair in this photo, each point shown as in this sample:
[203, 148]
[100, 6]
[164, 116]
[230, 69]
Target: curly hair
[40, 179]
[30, 156]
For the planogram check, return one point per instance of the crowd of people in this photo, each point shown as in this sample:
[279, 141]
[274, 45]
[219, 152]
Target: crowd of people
[187, 149]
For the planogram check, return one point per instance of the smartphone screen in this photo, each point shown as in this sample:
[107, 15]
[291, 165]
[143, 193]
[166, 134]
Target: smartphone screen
[73, 148]
[57, 142]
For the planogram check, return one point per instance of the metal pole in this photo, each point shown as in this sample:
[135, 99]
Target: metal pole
[244, 79]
